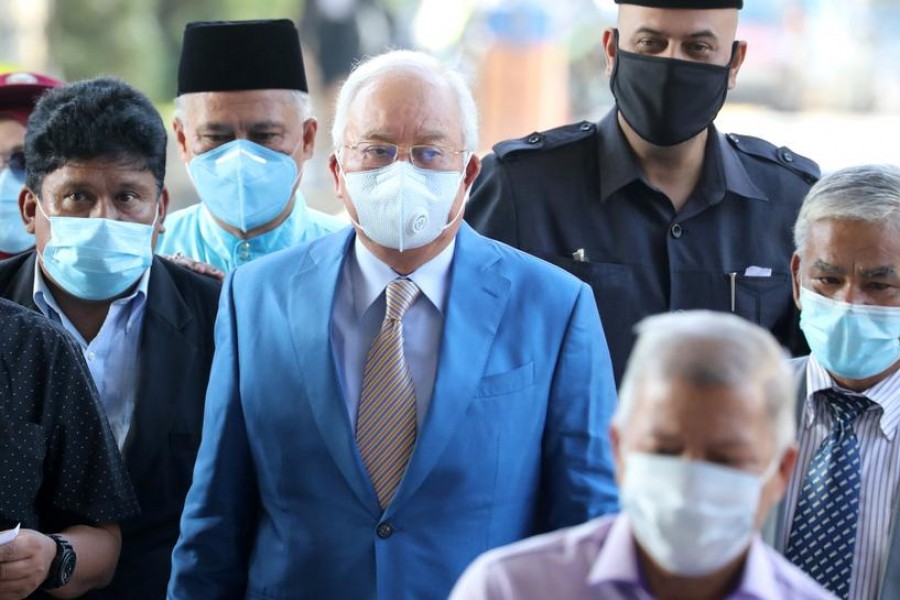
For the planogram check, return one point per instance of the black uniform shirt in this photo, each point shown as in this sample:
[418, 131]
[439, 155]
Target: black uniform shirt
[576, 196]
[59, 464]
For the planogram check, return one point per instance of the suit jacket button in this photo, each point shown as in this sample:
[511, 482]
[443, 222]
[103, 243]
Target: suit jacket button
[385, 530]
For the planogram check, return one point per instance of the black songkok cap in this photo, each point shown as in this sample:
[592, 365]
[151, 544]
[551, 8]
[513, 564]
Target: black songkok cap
[228, 56]
[701, 4]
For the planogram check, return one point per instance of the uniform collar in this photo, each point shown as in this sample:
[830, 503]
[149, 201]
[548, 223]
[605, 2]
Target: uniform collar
[723, 170]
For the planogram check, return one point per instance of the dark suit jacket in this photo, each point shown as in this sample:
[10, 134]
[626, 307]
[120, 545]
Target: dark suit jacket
[773, 531]
[176, 352]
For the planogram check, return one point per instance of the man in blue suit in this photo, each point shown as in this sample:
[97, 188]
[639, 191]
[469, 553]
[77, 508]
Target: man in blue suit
[392, 400]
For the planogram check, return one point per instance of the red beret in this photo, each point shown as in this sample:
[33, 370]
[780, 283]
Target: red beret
[20, 90]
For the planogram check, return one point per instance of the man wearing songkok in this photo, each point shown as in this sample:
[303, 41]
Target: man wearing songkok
[653, 206]
[703, 438]
[245, 128]
[390, 401]
[95, 199]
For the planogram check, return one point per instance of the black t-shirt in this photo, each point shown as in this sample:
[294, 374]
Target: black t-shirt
[59, 464]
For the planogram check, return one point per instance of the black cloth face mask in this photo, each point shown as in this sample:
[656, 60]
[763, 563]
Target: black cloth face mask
[666, 100]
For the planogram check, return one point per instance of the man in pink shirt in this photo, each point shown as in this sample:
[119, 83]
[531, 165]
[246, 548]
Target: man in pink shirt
[703, 440]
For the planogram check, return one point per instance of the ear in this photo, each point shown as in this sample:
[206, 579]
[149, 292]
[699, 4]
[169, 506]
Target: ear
[618, 460]
[181, 139]
[775, 486]
[736, 61]
[162, 210]
[473, 168]
[339, 190]
[609, 49]
[786, 469]
[335, 169]
[795, 278]
[27, 208]
[310, 127]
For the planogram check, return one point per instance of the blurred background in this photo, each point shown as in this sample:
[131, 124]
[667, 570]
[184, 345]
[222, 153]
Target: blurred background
[821, 76]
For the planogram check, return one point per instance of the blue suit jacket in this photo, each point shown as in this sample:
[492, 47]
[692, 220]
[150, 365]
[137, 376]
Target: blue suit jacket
[515, 441]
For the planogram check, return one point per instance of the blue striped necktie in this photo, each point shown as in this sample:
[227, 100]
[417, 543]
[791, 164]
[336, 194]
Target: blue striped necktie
[386, 417]
[823, 531]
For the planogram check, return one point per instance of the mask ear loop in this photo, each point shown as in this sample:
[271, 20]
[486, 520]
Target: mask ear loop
[772, 467]
[344, 175]
[462, 179]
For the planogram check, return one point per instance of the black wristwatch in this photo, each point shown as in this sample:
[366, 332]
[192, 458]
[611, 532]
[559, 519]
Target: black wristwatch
[63, 565]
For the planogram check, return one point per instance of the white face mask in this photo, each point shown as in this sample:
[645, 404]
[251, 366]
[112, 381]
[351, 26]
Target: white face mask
[691, 517]
[402, 206]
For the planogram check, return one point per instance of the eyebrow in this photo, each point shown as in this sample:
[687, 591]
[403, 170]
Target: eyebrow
[223, 127]
[886, 271]
[703, 34]
[827, 267]
[379, 135]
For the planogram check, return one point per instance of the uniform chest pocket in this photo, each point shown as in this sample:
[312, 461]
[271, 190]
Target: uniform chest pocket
[763, 300]
[595, 274]
[26, 444]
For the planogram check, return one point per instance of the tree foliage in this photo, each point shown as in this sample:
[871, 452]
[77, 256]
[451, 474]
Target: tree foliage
[139, 40]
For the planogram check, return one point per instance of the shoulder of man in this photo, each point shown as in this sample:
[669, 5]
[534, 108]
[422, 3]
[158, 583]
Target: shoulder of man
[546, 140]
[760, 150]
[172, 286]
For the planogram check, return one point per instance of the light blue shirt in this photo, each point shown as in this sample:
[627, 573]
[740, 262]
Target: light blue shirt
[193, 232]
[359, 310]
[113, 355]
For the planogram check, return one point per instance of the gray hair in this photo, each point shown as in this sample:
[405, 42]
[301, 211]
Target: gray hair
[867, 193]
[708, 348]
[304, 105]
[407, 61]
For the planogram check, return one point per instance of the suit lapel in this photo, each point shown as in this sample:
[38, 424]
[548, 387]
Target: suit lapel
[315, 358]
[890, 583]
[773, 529]
[476, 301]
[167, 353]
[21, 287]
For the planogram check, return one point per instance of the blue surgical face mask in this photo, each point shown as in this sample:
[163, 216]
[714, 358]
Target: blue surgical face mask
[96, 259]
[402, 206]
[854, 341]
[244, 184]
[13, 237]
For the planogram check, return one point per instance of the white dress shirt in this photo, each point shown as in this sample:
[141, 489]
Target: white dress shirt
[879, 453]
[359, 311]
[113, 355]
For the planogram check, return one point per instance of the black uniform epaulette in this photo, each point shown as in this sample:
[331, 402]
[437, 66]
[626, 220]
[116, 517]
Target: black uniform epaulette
[784, 156]
[547, 139]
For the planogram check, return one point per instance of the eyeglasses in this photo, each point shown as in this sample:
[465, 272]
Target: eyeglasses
[365, 155]
[15, 162]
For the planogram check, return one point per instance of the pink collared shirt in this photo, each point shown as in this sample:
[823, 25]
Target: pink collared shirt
[598, 560]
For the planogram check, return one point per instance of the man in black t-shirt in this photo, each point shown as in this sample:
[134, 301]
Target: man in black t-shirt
[61, 478]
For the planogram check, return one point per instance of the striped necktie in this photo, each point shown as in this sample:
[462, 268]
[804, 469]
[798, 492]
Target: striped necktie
[823, 531]
[386, 418]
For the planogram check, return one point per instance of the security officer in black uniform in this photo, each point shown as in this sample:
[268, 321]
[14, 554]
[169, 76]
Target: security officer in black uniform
[652, 206]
